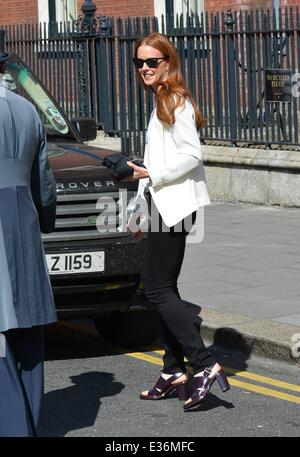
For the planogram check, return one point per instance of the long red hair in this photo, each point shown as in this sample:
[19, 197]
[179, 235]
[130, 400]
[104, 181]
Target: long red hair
[172, 89]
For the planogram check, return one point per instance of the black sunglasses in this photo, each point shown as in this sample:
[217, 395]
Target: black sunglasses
[152, 62]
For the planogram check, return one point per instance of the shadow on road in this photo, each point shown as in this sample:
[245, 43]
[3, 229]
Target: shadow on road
[228, 346]
[212, 402]
[63, 342]
[77, 406]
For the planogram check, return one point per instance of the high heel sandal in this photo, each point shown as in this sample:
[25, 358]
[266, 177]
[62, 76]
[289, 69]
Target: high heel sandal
[202, 386]
[164, 387]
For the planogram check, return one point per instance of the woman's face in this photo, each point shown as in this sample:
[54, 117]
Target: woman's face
[150, 75]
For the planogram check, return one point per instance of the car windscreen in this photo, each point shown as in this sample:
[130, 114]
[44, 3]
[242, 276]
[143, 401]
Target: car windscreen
[21, 80]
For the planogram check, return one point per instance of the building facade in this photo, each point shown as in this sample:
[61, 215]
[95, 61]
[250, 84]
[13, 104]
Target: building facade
[33, 11]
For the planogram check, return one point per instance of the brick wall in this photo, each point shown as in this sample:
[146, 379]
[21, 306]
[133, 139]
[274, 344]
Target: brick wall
[26, 11]
[123, 8]
[223, 5]
[18, 11]
[290, 3]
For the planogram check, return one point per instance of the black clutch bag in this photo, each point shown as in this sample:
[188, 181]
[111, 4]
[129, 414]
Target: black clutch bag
[117, 163]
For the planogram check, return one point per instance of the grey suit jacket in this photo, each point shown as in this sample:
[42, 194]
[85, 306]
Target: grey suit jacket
[27, 204]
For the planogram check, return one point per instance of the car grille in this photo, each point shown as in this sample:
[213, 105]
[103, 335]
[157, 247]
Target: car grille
[76, 216]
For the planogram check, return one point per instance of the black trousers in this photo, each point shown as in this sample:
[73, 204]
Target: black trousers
[180, 327]
[21, 381]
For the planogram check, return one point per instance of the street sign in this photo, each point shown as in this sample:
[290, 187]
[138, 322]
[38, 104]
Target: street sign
[278, 85]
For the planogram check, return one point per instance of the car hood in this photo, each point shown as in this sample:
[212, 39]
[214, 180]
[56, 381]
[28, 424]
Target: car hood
[76, 172]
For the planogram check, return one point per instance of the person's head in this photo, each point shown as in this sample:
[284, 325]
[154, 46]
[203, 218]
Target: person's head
[161, 60]
[3, 58]
[158, 68]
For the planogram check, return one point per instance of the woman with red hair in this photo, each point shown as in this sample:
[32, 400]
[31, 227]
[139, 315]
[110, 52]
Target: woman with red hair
[173, 184]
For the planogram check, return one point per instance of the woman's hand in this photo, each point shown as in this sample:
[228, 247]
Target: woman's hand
[135, 232]
[138, 172]
[137, 236]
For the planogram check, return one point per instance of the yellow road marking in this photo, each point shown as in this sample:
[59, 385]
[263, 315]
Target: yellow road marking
[264, 379]
[264, 391]
[258, 378]
[146, 357]
[233, 382]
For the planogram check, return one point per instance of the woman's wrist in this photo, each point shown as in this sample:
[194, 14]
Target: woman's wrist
[138, 172]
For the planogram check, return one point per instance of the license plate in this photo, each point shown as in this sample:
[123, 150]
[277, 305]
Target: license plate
[75, 262]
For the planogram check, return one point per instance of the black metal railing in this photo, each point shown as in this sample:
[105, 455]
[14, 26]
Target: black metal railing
[88, 68]
[224, 57]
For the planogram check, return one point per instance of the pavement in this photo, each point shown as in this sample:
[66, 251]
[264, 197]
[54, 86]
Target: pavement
[245, 277]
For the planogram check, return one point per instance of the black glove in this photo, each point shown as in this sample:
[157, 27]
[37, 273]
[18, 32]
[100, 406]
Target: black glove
[118, 165]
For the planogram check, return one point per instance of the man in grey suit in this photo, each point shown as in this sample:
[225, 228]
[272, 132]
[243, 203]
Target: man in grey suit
[27, 205]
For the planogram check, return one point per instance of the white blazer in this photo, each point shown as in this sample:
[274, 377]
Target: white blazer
[173, 158]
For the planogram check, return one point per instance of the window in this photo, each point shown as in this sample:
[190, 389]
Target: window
[191, 6]
[276, 6]
[66, 10]
[57, 10]
[20, 79]
[170, 8]
[52, 10]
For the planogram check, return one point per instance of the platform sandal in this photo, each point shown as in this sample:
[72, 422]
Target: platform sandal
[164, 387]
[202, 386]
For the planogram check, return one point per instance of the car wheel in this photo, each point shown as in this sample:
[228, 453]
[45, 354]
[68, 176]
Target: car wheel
[130, 328]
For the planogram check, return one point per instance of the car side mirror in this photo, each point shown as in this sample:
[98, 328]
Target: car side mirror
[86, 127]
